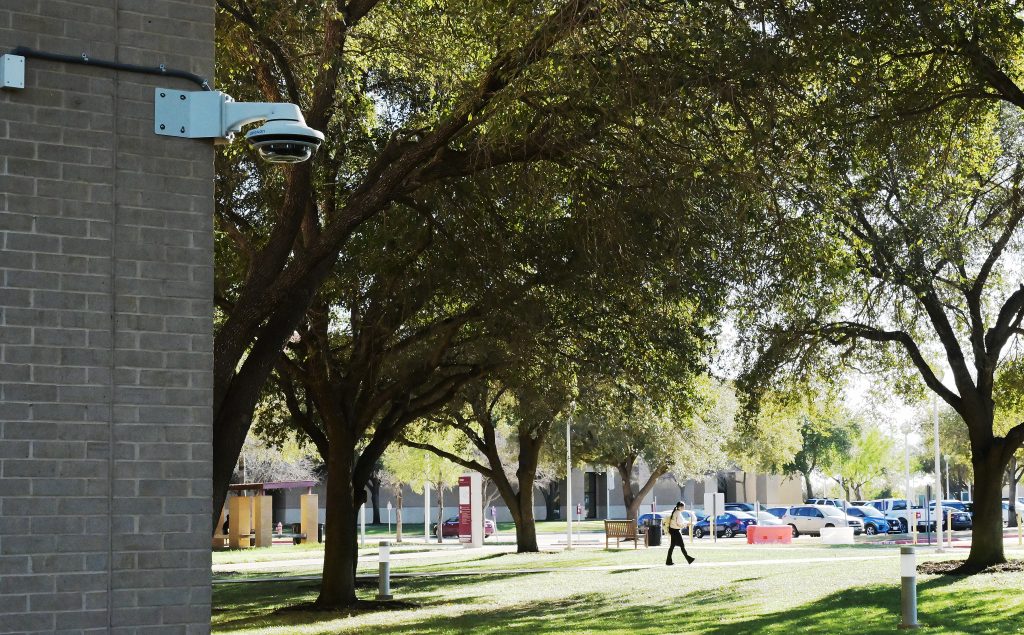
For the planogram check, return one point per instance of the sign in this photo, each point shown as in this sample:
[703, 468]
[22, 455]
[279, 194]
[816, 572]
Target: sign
[389, 505]
[611, 479]
[465, 510]
[579, 509]
[494, 513]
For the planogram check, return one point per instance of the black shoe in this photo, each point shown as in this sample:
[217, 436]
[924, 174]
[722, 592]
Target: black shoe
[669, 563]
[690, 559]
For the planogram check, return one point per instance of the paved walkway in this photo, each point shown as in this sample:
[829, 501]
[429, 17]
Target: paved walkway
[613, 567]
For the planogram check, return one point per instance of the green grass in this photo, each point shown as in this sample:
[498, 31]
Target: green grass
[836, 596]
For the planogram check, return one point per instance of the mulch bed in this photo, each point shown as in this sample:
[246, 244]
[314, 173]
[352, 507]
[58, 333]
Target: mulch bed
[956, 567]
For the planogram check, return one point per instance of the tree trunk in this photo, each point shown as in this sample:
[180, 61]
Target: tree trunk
[341, 553]
[987, 534]
[807, 484]
[629, 498]
[526, 524]
[398, 516]
[550, 494]
[440, 512]
[375, 498]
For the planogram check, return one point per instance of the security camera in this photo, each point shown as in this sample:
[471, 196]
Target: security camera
[284, 136]
[283, 141]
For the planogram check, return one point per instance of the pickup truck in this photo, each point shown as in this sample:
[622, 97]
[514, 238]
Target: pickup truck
[895, 510]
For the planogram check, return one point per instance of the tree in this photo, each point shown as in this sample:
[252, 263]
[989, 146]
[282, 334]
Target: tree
[899, 216]
[868, 459]
[619, 425]
[408, 466]
[409, 97]
[262, 462]
[492, 415]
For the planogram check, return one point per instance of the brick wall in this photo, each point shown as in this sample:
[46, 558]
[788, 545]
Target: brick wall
[106, 254]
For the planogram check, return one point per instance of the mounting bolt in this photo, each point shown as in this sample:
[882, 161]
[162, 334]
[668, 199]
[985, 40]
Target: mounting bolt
[183, 130]
[163, 127]
[182, 97]
[163, 94]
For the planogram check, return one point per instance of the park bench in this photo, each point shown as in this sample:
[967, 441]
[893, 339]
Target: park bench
[621, 530]
[296, 538]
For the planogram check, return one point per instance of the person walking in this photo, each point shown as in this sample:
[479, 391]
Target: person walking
[675, 531]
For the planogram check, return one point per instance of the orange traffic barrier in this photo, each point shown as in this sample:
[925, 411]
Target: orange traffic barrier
[769, 535]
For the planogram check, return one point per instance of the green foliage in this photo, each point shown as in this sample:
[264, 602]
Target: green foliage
[870, 457]
[414, 467]
[684, 433]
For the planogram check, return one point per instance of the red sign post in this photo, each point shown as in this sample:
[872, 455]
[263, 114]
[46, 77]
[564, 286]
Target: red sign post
[465, 510]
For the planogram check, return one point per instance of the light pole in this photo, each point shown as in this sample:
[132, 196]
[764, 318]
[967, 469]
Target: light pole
[906, 467]
[938, 475]
[568, 476]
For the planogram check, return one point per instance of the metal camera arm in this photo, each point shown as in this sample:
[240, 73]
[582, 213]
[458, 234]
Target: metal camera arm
[212, 114]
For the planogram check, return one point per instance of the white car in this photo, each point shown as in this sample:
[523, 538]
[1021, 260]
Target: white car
[767, 519]
[811, 519]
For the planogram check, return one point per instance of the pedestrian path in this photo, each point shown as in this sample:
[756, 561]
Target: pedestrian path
[607, 568]
[274, 565]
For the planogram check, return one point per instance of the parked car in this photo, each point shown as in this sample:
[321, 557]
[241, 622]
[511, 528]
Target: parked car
[767, 519]
[874, 520]
[739, 507]
[834, 502]
[727, 525]
[811, 519]
[961, 519]
[450, 528]
[778, 512]
[896, 511]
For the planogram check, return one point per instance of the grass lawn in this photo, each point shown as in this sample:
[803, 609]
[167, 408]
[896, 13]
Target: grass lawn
[833, 595]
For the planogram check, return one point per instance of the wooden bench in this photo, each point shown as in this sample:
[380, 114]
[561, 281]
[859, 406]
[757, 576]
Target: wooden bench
[621, 530]
[296, 538]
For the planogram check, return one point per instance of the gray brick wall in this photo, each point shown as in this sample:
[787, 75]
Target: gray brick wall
[106, 259]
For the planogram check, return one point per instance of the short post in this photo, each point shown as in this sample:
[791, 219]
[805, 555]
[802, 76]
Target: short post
[1020, 530]
[362, 525]
[384, 571]
[692, 518]
[908, 580]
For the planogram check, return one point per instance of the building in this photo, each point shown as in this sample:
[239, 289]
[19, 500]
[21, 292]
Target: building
[589, 492]
[106, 287]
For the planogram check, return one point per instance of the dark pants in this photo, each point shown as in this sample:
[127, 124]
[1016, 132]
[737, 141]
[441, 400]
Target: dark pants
[676, 541]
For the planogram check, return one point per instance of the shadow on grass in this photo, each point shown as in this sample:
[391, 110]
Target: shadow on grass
[272, 604]
[865, 610]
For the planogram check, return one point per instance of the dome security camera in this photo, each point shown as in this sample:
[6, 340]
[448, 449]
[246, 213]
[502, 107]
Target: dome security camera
[284, 136]
[283, 141]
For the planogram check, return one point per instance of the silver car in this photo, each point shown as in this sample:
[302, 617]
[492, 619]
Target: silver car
[810, 519]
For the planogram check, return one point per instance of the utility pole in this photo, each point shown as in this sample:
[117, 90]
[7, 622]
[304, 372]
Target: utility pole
[568, 476]
[938, 474]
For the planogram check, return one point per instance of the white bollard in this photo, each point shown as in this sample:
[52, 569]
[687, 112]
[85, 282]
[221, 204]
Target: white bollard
[384, 572]
[908, 580]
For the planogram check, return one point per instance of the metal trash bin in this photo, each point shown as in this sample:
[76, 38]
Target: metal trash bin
[654, 534]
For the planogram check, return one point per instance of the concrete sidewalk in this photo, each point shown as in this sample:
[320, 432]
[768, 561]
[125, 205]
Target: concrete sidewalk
[624, 567]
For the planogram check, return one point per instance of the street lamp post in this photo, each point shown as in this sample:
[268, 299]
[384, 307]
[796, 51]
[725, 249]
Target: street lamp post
[938, 475]
[906, 467]
[568, 479]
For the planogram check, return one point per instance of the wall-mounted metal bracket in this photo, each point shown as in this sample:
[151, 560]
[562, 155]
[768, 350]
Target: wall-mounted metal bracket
[12, 71]
[190, 114]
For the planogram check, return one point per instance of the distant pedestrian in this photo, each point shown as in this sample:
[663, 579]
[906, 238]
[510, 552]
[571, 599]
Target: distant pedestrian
[675, 530]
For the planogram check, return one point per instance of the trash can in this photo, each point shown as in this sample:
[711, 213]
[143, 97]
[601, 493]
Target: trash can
[654, 534]
[320, 532]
